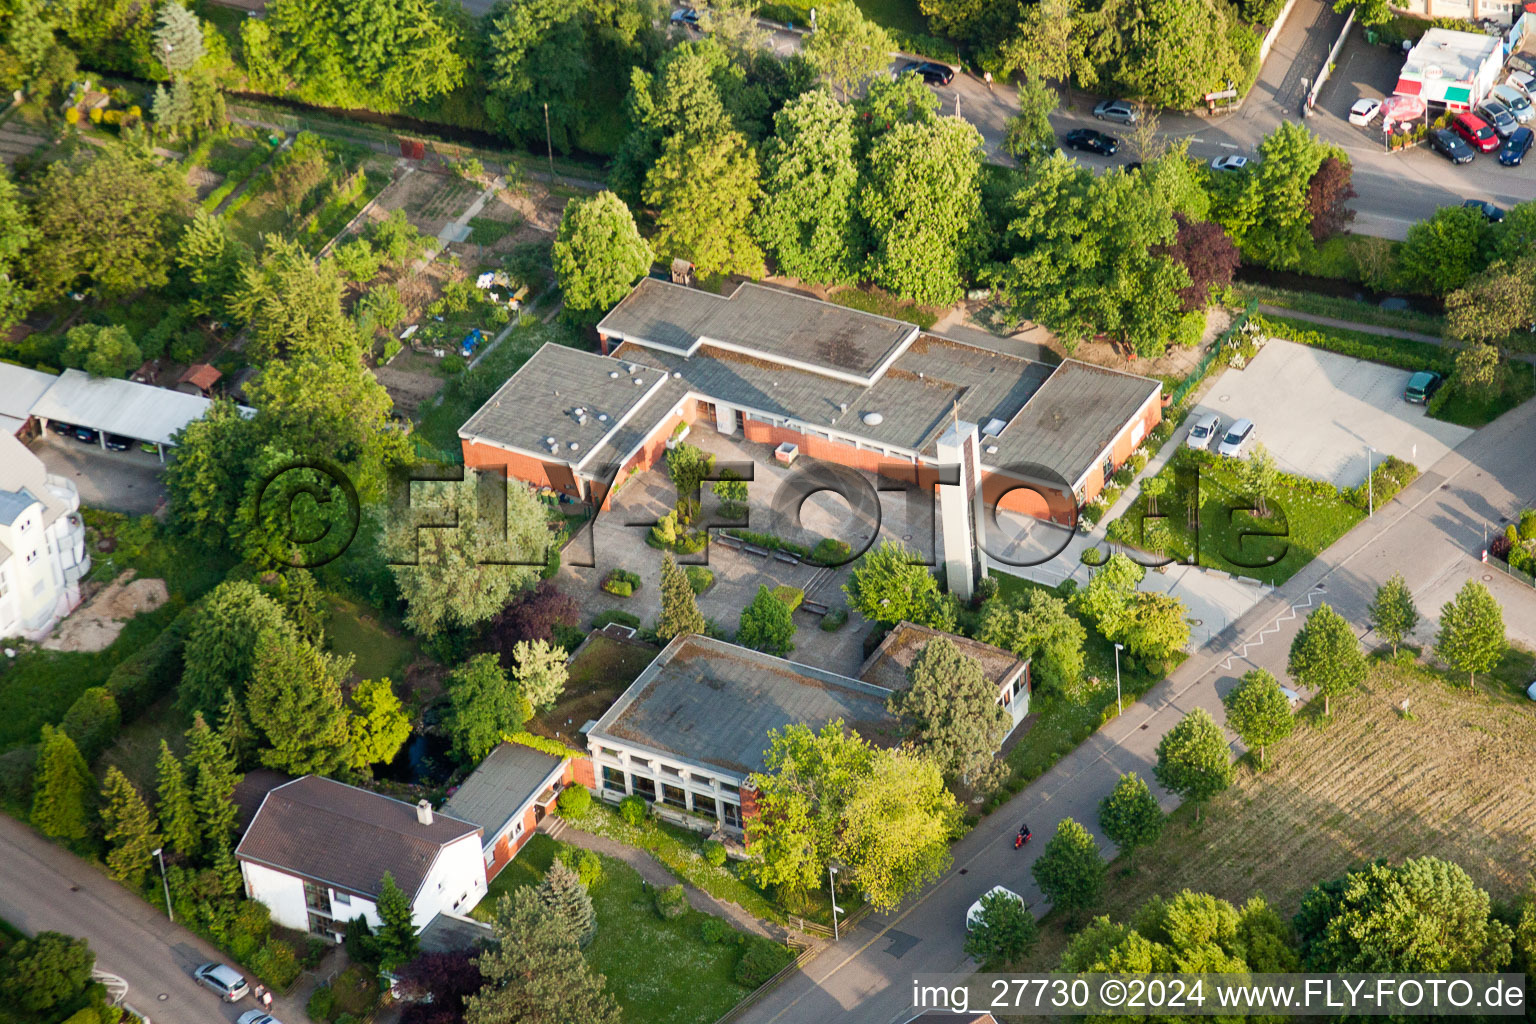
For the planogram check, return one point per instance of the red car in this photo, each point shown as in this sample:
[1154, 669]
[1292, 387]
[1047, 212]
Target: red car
[1479, 135]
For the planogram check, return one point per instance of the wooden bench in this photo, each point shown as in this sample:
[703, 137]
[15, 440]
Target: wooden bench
[753, 549]
[729, 541]
[814, 607]
[785, 556]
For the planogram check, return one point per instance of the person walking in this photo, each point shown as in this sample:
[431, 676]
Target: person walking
[986, 76]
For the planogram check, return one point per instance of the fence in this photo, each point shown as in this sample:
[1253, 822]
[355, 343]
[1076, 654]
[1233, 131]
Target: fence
[1203, 367]
[738, 1011]
[1519, 575]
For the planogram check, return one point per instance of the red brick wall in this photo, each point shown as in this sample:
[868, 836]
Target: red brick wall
[521, 467]
[1011, 495]
[818, 447]
[1122, 447]
[655, 447]
[580, 771]
[748, 797]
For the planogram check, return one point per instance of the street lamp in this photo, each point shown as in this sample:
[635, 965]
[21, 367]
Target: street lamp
[1119, 708]
[1370, 485]
[164, 882]
[832, 888]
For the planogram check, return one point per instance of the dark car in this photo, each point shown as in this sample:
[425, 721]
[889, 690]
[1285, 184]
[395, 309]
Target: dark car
[1492, 214]
[60, 427]
[933, 73]
[87, 434]
[1449, 144]
[118, 443]
[1090, 141]
[1516, 146]
[1422, 387]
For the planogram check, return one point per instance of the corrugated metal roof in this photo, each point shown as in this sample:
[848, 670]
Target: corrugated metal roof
[509, 777]
[20, 388]
[140, 411]
[328, 831]
[714, 703]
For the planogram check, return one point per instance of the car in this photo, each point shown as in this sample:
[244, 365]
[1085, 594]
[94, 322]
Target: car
[973, 916]
[1118, 111]
[1530, 691]
[1291, 696]
[1516, 146]
[1229, 163]
[60, 427]
[1091, 141]
[1492, 214]
[224, 980]
[1498, 115]
[933, 73]
[1449, 144]
[1522, 80]
[686, 16]
[1364, 111]
[1236, 439]
[1205, 428]
[1478, 133]
[88, 435]
[118, 443]
[256, 1017]
[1519, 103]
[1422, 387]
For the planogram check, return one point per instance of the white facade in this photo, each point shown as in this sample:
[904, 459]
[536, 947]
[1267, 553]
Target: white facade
[42, 544]
[454, 884]
[665, 780]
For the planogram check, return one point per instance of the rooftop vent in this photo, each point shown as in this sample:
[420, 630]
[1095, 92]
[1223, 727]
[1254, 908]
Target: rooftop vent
[842, 406]
[602, 417]
[581, 419]
[613, 374]
[994, 426]
[990, 449]
[632, 367]
[677, 375]
[639, 380]
[872, 419]
[574, 446]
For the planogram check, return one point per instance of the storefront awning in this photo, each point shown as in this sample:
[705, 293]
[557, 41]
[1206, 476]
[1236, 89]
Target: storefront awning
[1408, 87]
[1458, 94]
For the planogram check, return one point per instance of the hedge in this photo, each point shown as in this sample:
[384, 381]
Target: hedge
[92, 721]
[762, 960]
[1398, 352]
[1389, 477]
[618, 615]
[554, 748]
[153, 670]
[621, 583]
[791, 596]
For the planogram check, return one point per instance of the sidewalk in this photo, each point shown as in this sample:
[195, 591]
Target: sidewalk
[657, 874]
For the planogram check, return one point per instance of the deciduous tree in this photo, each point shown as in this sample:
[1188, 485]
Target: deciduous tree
[1268, 214]
[1070, 872]
[1028, 135]
[1327, 195]
[1155, 625]
[535, 973]
[1442, 253]
[1207, 255]
[1393, 613]
[1494, 305]
[1106, 601]
[534, 615]
[47, 970]
[1193, 760]
[101, 351]
[767, 625]
[953, 710]
[483, 704]
[1130, 816]
[62, 788]
[1037, 625]
[847, 49]
[1478, 372]
[808, 218]
[1259, 711]
[16, 234]
[896, 828]
[379, 725]
[1004, 934]
[539, 672]
[1471, 633]
[1326, 655]
[679, 607]
[703, 190]
[889, 584]
[598, 255]
[129, 829]
[1188, 932]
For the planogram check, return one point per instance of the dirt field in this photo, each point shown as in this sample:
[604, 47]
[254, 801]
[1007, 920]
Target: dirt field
[1457, 780]
[411, 380]
[95, 625]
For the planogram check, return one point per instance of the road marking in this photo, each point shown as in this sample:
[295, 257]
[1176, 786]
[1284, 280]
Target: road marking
[1195, 138]
[1273, 626]
[1229, 145]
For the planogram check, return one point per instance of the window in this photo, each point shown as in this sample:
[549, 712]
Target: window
[612, 753]
[26, 524]
[320, 926]
[317, 898]
[341, 899]
[674, 796]
[644, 788]
[31, 557]
[667, 769]
[613, 778]
[490, 857]
[517, 829]
[643, 762]
[701, 780]
[731, 813]
[1108, 469]
[705, 805]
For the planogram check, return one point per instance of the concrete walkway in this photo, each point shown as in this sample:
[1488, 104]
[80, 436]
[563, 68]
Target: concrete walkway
[659, 875]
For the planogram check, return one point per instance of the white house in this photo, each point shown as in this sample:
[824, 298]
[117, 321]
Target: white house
[317, 850]
[42, 543]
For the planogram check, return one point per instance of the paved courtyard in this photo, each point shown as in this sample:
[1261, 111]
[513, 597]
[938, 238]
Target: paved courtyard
[120, 481]
[1317, 411]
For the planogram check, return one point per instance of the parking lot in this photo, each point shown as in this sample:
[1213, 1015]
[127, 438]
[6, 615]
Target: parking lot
[1317, 411]
[120, 481]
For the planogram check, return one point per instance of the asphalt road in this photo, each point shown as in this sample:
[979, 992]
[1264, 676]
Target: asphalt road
[47, 888]
[1431, 533]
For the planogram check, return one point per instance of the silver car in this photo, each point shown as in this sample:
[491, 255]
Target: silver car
[1118, 111]
[224, 980]
[1498, 115]
[1204, 430]
[1519, 103]
[1237, 437]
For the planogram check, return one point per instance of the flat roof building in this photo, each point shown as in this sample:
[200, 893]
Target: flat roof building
[1454, 69]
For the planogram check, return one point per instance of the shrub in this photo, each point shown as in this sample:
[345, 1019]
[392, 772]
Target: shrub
[1387, 479]
[714, 931]
[392, 348]
[452, 363]
[587, 865]
[92, 721]
[621, 582]
[152, 671]
[671, 902]
[699, 578]
[618, 615]
[762, 960]
[574, 801]
[831, 552]
[16, 768]
[322, 1005]
[1093, 556]
[714, 853]
[276, 964]
[986, 590]
[792, 596]
[834, 620]
[634, 809]
[188, 346]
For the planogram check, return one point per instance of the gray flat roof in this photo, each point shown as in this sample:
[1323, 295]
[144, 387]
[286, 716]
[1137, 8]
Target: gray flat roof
[140, 411]
[20, 388]
[714, 703]
[888, 666]
[504, 782]
[782, 326]
[1072, 419]
[540, 401]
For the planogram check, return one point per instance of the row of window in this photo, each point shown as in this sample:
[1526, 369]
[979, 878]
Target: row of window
[654, 791]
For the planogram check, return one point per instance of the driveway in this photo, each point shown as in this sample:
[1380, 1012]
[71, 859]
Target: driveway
[1317, 411]
[120, 481]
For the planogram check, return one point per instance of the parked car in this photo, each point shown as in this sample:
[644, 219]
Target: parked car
[224, 980]
[60, 427]
[118, 443]
[1236, 439]
[1530, 691]
[1492, 214]
[1449, 144]
[1291, 696]
[1364, 111]
[1519, 103]
[88, 435]
[686, 16]
[1091, 141]
[933, 73]
[256, 1017]
[1499, 116]
[1118, 111]
[1204, 430]
[1516, 146]
[1478, 133]
[1422, 387]
[973, 915]
[1522, 80]
[1229, 163]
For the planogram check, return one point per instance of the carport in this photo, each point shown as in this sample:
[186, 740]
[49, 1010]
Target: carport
[20, 388]
[113, 406]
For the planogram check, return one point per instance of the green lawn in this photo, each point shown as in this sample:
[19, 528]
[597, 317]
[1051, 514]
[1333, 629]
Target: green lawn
[901, 15]
[377, 650]
[1305, 517]
[661, 972]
